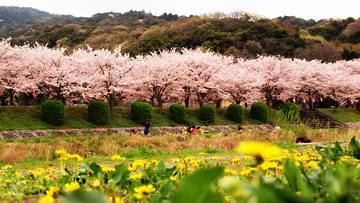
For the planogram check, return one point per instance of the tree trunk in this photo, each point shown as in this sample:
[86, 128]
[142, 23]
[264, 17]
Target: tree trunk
[187, 101]
[11, 96]
[111, 102]
[187, 96]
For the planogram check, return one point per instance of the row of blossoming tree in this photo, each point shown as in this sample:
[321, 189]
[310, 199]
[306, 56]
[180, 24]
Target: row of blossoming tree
[169, 76]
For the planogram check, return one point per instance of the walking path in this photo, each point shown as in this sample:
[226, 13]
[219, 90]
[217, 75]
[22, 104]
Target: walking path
[20, 134]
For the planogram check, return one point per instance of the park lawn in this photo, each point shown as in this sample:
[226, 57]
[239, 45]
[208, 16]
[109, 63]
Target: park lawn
[343, 115]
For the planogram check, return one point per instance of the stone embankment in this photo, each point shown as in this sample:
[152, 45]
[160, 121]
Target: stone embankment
[20, 134]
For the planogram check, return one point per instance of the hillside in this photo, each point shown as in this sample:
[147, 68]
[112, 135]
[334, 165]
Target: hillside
[237, 34]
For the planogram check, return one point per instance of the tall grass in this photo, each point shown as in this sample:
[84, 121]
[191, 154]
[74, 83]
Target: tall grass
[139, 146]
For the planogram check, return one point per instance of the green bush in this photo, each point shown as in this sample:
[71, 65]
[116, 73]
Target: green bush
[177, 113]
[235, 113]
[290, 111]
[52, 112]
[259, 111]
[141, 112]
[99, 112]
[207, 113]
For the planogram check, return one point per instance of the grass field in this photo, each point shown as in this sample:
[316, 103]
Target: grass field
[343, 115]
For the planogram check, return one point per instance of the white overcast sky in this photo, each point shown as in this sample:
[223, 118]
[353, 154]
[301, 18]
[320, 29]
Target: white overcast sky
[307, 9]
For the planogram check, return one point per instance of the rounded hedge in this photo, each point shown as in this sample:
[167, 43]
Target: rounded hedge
[99, 112]
[52, 112]
[235, 113]
[207, 113]
[290, 111]
[141, 112]
[259, 111]
[177, 113]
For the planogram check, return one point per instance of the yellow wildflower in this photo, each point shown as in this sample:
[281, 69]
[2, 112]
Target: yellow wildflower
[245, 172]
[18, 175]
[47, 199]
[60, 151]
[107, 169]
[52, 191]
[173, 178]
[70, 187]
[230, 171]
[313, 165]
[235, 160]
[115, 200]
[135, 176]
[139, 195]
[202, 154]
[145, 189]
[117, 157]
[259, 150]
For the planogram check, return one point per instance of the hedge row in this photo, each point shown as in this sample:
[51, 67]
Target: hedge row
[52, 112]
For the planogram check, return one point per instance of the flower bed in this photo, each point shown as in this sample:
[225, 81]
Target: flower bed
[261, 173]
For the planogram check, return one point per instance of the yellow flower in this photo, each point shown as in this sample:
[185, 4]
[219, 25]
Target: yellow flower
[18, 175]
[230, 171]
[202, 154]
[139, 195]
[245, 172]
[115, 200]
[173, 178]
[75, 156]
[235, 160]
[313, 164]
[47, 199]
[72, 186]
[60, 151]
[145, 189]
[7, 167]
[107, 169]
[259, 149]
[135, 176]
[46, 177]
[52, 191]
[117, 157]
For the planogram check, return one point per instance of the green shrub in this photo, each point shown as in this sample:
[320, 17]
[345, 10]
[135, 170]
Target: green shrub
[259, 111]
[207, 113]
[235, 113]
[99, 112]
[52, 112]
[177, 113]
[290, 111]
[141, 112]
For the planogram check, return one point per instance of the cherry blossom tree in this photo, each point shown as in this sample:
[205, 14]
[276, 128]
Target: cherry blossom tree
[104, 73]
[161, 76]
[13, 79]
[51, 72]
[277, 76]
[199, 69]
[237, 83]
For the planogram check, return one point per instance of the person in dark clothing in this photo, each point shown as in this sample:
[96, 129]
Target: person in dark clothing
[147, 127]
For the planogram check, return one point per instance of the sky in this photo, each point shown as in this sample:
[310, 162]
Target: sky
[307, 9]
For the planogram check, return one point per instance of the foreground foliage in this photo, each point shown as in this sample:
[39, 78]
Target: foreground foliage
[321, 174]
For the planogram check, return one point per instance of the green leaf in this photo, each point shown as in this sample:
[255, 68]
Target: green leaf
[354, 148]
[161, 167]
[196, 188]
[295, 180]
[95, 167]
[82, 196]
[120, 173]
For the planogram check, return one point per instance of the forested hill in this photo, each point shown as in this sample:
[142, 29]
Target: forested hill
[138, 32]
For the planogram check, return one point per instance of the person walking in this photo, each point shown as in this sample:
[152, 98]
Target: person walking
[147, 127]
